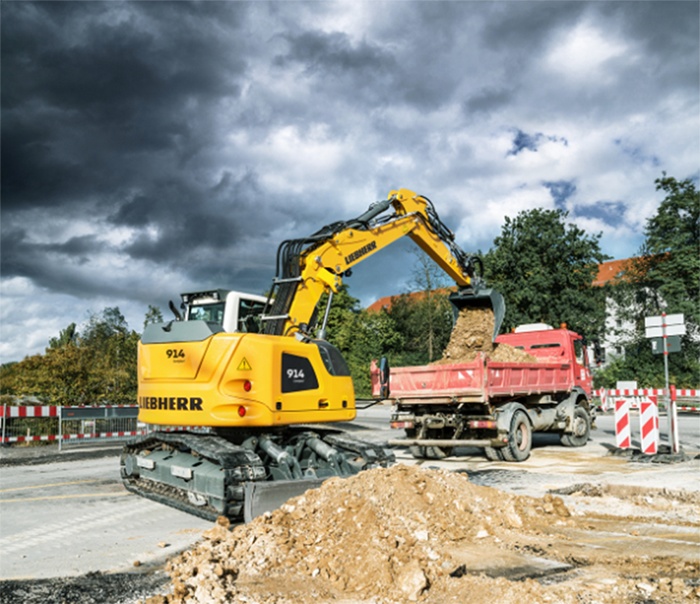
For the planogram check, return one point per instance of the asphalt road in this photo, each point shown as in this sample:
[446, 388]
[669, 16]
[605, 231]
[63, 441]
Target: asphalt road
[67, 514]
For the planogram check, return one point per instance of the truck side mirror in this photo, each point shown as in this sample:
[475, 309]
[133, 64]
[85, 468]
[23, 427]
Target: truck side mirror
[384, 377]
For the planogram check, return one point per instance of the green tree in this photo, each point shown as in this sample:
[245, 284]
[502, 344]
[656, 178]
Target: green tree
[672, 249]
[664, 277]
[545, 268]
[432, 316]
[360, 336]
[153, 315]
[96, 366]
[66, 337]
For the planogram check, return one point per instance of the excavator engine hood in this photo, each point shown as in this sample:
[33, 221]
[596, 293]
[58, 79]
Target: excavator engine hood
[481, 297]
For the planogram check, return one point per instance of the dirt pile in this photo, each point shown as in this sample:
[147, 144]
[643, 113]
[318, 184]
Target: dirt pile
[408, 534]
[387, 535]
[472, 334]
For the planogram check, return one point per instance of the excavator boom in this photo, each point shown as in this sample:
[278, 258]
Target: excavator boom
[306, 268]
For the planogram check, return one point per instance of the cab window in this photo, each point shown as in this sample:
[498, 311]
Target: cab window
[580, 353]
[211, 313]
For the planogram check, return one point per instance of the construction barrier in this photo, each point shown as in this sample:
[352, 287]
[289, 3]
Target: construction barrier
[623, 435]
[65, 425]
[608, 397]
[646, 400]
[22, 424]
[649, 425]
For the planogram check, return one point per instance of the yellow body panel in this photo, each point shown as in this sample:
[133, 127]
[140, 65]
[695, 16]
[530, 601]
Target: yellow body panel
[203, 383]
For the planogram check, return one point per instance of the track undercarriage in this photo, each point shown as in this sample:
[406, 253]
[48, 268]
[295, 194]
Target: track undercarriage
[238, 474]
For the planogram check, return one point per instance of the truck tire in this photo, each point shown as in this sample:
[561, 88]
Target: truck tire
[581, 429]
[519, 438]
[493, 454]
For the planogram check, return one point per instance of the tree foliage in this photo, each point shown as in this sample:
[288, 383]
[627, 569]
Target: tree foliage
[92, 367]
[664, 277]
[545, 268]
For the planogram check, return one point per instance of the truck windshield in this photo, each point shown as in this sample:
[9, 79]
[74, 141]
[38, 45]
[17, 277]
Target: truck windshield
[211, 313]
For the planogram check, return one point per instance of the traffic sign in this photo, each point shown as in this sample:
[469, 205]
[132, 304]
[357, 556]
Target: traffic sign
[673, 344]
[669, 325]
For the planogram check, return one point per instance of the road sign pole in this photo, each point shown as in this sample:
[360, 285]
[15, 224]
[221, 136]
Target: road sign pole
[673, 422]
[667, 391]
[662, 327]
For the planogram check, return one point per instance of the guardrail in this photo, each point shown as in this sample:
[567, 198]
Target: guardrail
[23, 424]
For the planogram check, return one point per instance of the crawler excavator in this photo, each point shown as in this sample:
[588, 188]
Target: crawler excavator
[247, 385]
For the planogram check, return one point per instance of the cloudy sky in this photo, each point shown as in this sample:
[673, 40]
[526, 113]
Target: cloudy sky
[150, 148]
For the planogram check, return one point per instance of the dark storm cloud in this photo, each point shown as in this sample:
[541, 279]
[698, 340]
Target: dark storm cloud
[487, 100]
[523, 29]
[150, 146]
[88, 88]
[104, 107]
[52, 266]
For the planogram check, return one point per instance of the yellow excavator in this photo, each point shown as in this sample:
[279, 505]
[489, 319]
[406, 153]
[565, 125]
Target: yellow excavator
[240, 389]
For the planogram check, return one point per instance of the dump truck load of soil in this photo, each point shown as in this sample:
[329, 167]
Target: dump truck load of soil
[473, 334]
[408, 534]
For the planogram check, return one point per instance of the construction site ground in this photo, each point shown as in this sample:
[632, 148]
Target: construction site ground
[568, 525]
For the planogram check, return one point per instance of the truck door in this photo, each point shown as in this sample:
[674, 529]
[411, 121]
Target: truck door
[582, 370]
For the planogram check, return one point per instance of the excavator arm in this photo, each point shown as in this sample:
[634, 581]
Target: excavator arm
[306, 268]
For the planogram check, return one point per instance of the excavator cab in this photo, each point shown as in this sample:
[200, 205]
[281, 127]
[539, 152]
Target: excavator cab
[477, 296]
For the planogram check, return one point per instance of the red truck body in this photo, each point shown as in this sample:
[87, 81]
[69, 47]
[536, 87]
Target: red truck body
[557, 370]
[474, 403]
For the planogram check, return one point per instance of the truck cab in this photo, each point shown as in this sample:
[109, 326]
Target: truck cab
[559, 345]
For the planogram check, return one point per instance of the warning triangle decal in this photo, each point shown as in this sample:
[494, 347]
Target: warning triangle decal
[244, 365]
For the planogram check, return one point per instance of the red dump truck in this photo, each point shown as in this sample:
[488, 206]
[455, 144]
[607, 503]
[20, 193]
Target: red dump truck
[491, 404]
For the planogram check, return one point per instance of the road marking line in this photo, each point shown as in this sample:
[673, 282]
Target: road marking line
[76, 495]
[43, 486]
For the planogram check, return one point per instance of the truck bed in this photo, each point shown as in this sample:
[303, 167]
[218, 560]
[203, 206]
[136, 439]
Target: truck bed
[477, 381]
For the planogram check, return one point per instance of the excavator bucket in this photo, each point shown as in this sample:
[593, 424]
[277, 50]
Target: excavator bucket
[481, 298]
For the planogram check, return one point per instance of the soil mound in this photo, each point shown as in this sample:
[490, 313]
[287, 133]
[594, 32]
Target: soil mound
[387, 535]
[472, 335]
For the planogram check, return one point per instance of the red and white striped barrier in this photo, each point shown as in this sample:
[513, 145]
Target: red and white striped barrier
[608, 397]
[623, 438]
[44, 411]
[649, 425]
[64, 437]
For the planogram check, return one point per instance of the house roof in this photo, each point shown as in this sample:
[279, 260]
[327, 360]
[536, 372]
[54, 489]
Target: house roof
[386, 301]
[610, 270]
[607, 272]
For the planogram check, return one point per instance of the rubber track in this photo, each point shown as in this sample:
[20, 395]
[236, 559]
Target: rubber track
[230, 456]
[214, 448]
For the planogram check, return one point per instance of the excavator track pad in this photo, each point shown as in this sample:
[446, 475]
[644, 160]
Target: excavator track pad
[207, 475]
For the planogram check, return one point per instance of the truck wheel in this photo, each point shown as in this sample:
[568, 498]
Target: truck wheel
[581, 429]
[493, 454]
[519, 438]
